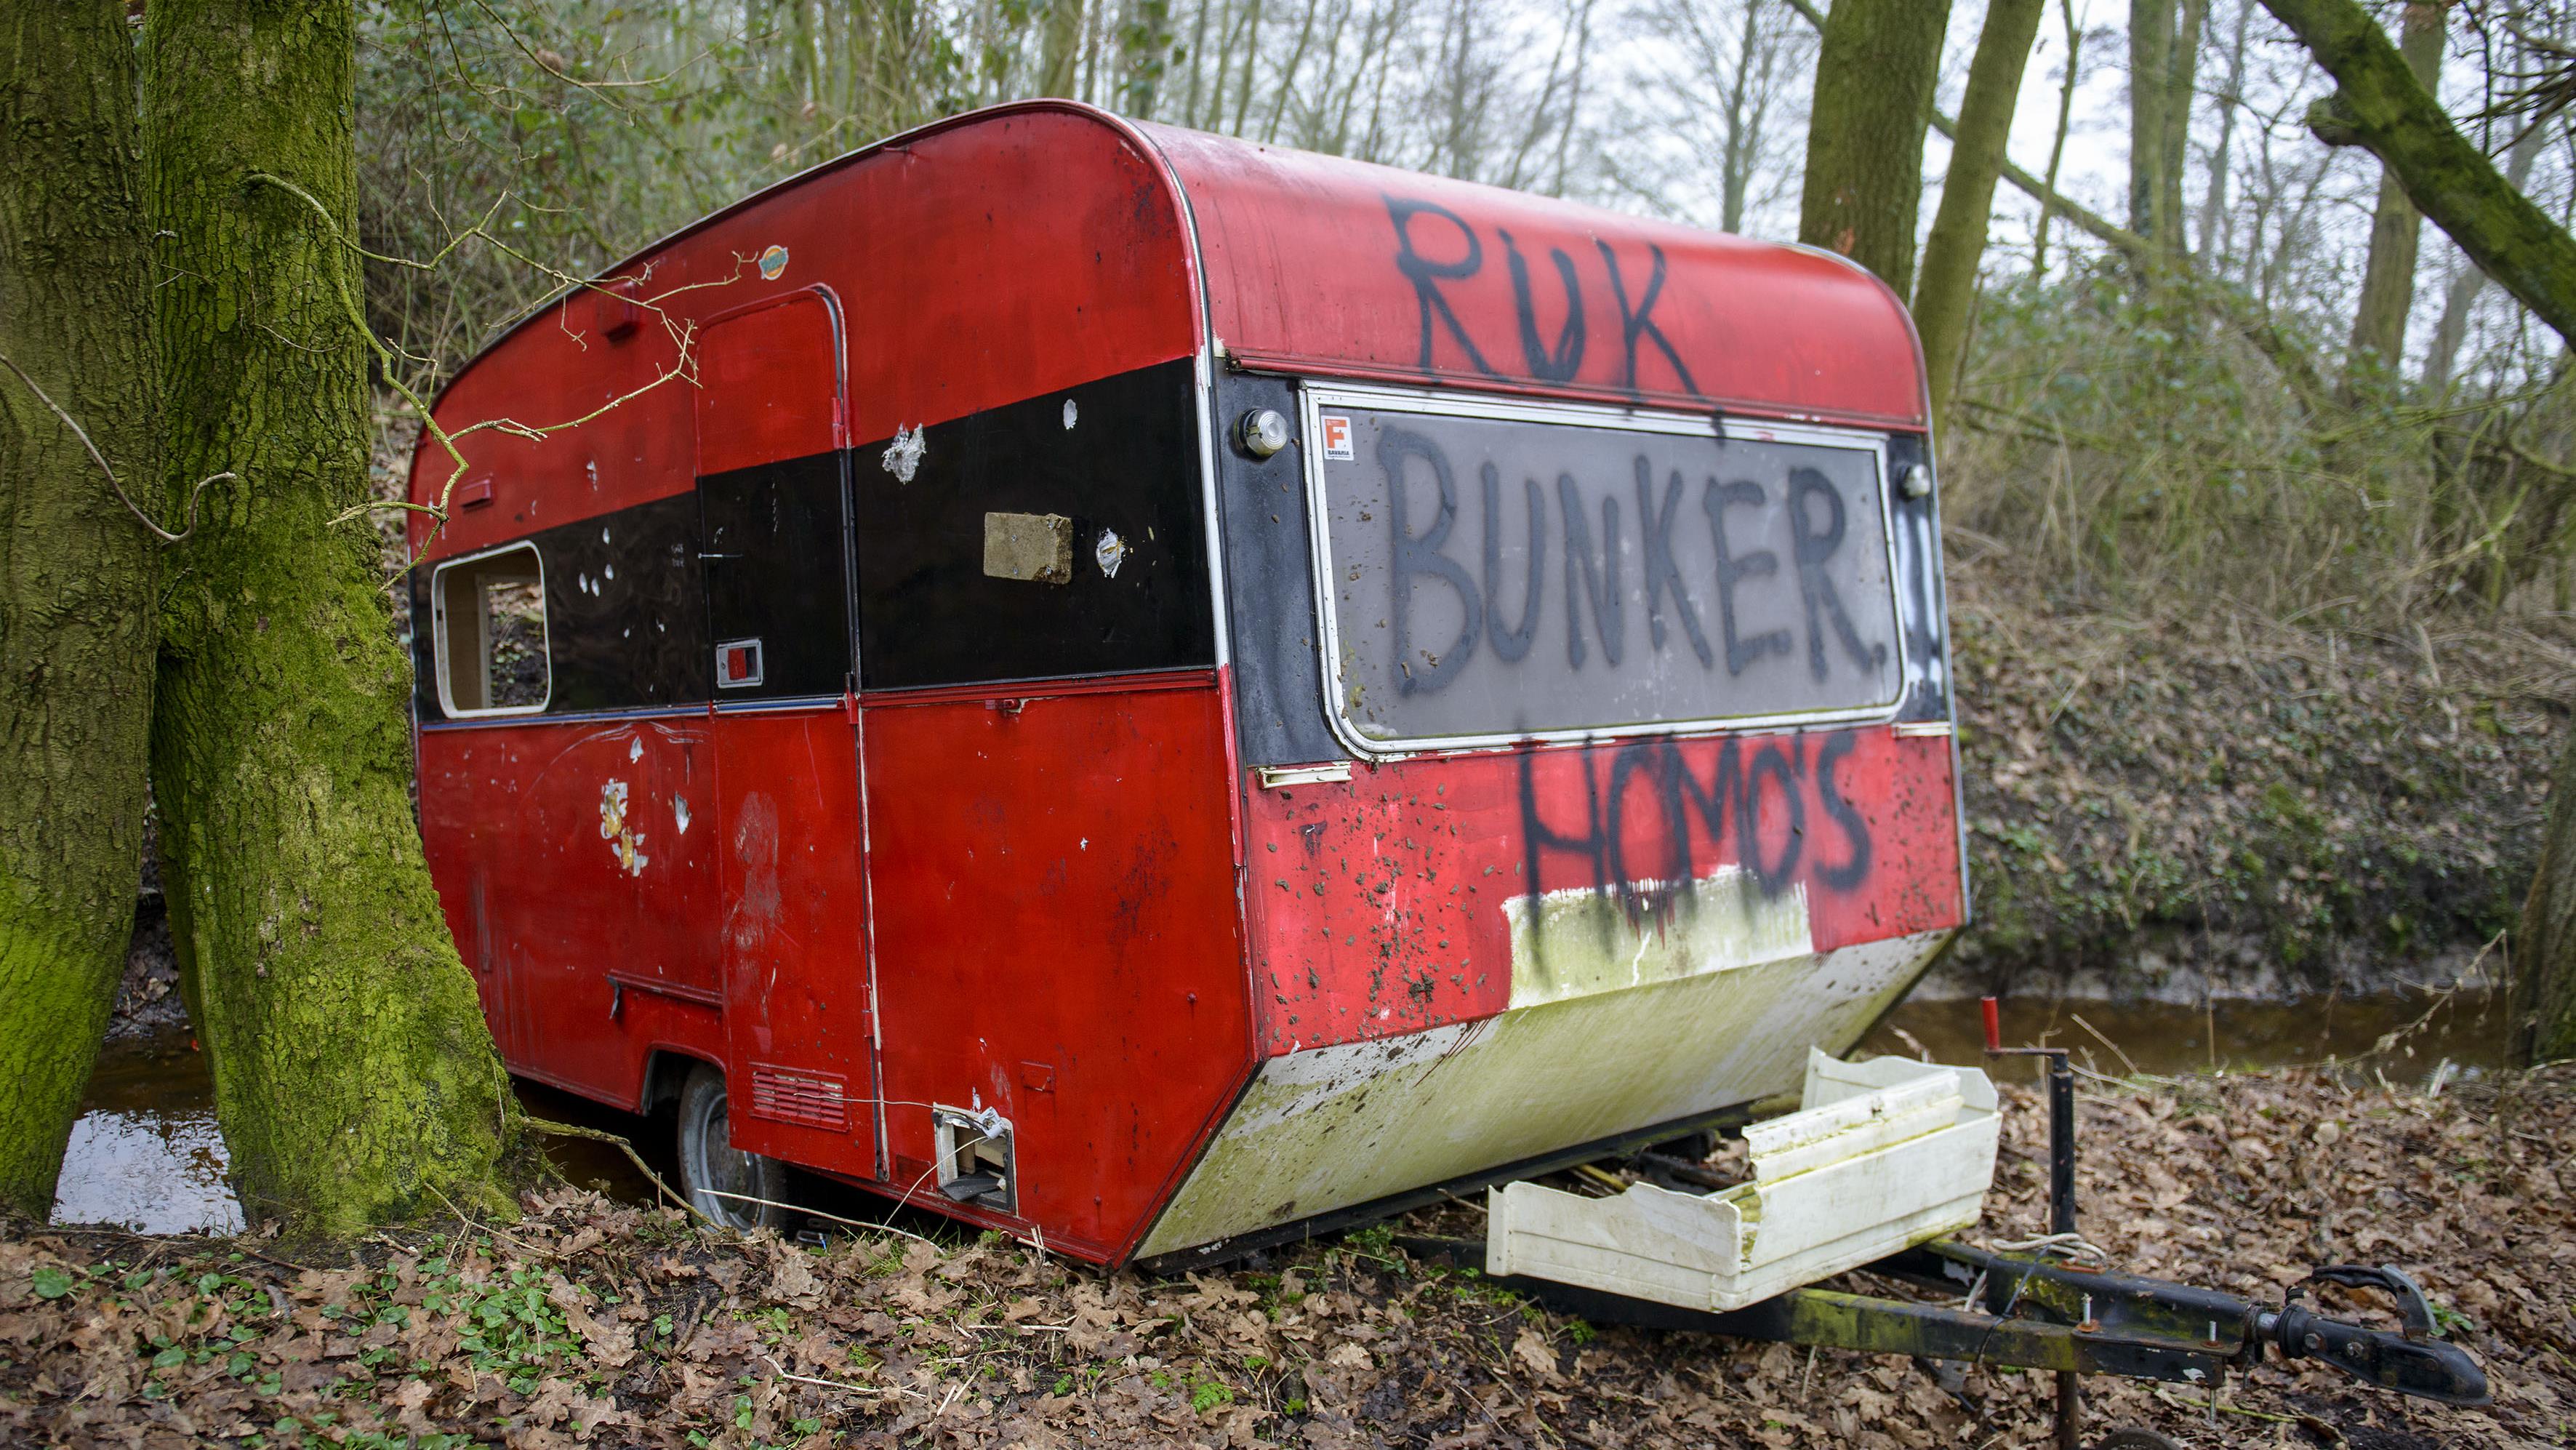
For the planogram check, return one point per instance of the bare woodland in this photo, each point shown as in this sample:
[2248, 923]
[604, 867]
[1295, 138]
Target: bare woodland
[2249, 354]
[2199, 352]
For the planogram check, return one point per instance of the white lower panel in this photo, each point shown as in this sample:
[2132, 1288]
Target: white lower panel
[1336, 1126]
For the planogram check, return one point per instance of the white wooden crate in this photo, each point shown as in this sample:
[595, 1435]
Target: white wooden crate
[1880, 1155]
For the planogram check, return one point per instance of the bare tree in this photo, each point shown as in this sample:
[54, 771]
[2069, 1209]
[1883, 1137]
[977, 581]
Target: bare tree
[2388, 280]
[2216, 221]
[1958, 242]
[2068, 79]
[1701, 126]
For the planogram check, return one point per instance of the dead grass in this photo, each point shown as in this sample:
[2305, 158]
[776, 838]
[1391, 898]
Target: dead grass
[587, 1322]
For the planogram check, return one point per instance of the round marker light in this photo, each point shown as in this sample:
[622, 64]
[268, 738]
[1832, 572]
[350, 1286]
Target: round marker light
[1917, 482]
[1264, 432]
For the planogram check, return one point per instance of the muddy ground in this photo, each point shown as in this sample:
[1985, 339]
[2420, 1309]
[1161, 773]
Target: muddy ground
[2205, 802]
[590, 1322]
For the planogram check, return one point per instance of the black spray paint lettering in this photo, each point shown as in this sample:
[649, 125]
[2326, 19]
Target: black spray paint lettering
[1655, 524]
[1415, 555]
[1640, 322]
[1733, 569]
[1855, 867]
[1511, 644]
[1426, 275]
[1818, 525]
[1815, 589]
[1560, 362]
[1735, 800]
[1567, 359]
[1583, 581]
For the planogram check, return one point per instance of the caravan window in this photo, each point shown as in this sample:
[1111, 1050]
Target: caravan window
[1499, 571]
[488, 615]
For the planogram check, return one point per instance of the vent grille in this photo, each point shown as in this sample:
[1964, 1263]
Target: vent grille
[811, 1099]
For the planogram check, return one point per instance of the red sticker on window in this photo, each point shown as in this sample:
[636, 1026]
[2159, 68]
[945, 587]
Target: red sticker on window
[738, 664]
[1337, 436]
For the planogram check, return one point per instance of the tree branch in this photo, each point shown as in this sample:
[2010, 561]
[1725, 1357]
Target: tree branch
[2378, 105]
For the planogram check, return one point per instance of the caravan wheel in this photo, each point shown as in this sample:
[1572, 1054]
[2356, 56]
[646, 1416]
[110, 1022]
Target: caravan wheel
[718, 1178]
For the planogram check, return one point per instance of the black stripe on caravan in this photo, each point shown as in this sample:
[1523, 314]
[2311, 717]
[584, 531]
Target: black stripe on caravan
[1117, 456]
[637, 599]
[626, 612]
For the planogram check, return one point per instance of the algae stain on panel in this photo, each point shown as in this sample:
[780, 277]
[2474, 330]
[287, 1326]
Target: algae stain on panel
[1334, 1126]
[1578, 941]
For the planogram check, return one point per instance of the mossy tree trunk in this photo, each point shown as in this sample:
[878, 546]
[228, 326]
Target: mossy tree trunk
[2544, 952]
[2151, 38]
[76, 566]
[355, 1080]
[2182, 80]
[1945, 292]
[1875, 69]
[2452, 328]
[2396, 228]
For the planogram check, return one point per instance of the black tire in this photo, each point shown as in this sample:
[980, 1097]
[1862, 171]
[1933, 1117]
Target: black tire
[720, 1180]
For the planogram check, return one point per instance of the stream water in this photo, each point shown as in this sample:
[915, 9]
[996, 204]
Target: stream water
[146, 1154]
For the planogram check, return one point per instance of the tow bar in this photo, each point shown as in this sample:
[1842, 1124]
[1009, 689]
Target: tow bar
[2023, 1307]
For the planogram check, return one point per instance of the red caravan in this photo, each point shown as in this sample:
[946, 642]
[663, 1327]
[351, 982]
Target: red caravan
[1150, 691]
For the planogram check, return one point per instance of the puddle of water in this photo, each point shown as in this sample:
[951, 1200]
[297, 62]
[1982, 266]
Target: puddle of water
[146, 1153]
[2467, 1028]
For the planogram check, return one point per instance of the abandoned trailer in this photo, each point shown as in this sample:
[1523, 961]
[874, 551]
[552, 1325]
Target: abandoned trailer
[1156, 694]
[1147, 689]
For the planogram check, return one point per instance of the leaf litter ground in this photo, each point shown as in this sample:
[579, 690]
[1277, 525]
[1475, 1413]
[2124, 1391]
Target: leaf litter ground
[588, 1322]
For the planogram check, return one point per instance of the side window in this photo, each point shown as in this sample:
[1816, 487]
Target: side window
[489, 618]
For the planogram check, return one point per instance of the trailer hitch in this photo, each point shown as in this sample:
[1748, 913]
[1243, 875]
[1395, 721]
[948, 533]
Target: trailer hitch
[2147, 1328]
[2410, 1362]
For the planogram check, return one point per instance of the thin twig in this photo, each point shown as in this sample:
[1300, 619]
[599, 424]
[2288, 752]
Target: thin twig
[568, 1130]
[164, 535]
[2106, 1042]
[807, 1379]
[818, 1213]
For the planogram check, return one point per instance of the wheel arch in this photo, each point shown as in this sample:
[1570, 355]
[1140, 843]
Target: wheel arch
[666, 1069]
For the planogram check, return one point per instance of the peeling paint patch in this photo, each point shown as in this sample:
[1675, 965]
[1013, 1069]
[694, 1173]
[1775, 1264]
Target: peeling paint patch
[680, 812]
[1110, 552]
[903, 455]
[1576, 941]
[1071, 414]
[617, 829]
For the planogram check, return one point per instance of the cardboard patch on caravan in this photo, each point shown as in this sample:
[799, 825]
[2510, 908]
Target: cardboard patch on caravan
[1035, 547]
